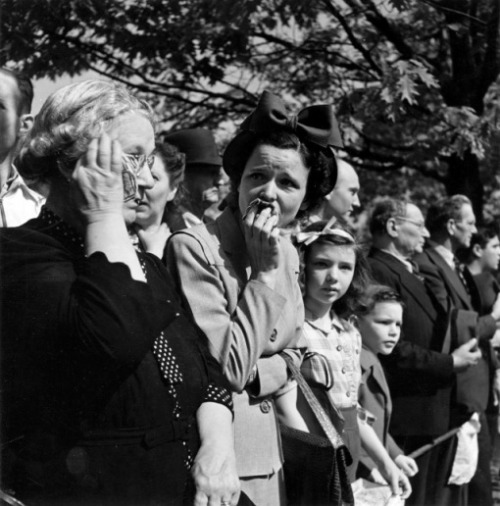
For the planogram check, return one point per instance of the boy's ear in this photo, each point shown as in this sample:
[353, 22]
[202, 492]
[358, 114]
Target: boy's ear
[26, 123]
[477, 251]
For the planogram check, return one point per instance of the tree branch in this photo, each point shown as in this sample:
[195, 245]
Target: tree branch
[350, 34]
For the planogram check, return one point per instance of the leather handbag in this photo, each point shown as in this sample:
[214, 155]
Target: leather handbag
[315, 465]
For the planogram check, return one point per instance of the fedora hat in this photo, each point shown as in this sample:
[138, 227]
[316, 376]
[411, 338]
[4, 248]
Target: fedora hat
[198, 144]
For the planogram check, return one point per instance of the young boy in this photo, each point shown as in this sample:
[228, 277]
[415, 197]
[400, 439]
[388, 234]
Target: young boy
[379, 319]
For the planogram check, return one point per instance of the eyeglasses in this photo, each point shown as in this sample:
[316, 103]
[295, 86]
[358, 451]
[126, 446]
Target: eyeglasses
[135, 163]
[132, 167]
[419, 224]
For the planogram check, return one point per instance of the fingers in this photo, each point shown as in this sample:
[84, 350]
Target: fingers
[472, 343]
[116, 157]
[405, 486]
[104, 152]
[200, 499]
[261, 225]
[89, 157]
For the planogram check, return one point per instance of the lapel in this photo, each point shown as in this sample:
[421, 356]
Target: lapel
[370, 361]
[414, 287]
[455, 286]
[233, 244]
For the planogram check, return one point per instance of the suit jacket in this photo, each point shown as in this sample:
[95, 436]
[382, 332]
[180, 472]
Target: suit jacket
[374, 396]
[247, 325]
[472, 384]
[420, 376]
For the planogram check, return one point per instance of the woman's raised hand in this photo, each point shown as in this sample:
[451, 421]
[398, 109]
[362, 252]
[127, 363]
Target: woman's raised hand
[98, 178]
[262, 237]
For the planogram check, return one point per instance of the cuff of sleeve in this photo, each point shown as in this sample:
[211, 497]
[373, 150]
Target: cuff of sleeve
[272, 374]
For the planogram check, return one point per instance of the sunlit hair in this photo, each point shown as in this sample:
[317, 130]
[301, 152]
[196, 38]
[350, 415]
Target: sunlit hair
[25, 88]
[375, 294]
[175, 164]
[445, 209]
[346, 305]
[382, 211]
[69, 119]
[319, 161]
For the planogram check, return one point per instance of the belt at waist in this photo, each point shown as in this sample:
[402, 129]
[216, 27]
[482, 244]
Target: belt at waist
[176, 430]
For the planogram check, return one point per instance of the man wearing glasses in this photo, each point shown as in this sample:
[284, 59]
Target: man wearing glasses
[420, 371]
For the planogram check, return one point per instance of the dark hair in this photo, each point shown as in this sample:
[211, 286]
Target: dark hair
[445, 209]
[482, 237]
[320, 162]
[175, 163]
[346, 305]
[383, 211]
[373, 295]
[25, 88]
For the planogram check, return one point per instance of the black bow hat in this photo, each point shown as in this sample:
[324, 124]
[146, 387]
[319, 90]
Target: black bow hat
[315, 124]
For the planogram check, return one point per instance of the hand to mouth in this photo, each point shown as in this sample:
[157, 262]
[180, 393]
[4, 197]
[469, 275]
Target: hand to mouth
[259, 205]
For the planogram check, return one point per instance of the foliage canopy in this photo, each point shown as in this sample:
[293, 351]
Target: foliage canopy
[415, 83]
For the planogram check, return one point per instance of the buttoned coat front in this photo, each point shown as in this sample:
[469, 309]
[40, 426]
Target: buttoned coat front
[247, 325]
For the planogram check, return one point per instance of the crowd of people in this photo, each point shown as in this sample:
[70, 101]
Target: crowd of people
[153, 294]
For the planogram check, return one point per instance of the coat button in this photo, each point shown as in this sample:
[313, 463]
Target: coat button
[274, 334]
[265, 406]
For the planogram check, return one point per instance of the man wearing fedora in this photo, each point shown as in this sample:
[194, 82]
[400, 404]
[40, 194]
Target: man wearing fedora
[203, 176]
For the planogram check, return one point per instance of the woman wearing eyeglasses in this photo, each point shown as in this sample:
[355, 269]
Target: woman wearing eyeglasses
[109, 395]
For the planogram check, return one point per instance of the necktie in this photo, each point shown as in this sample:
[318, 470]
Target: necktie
[415, 270]
[459, 269]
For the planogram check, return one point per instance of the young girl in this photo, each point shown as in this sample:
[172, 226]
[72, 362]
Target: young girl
[379, 319]
[334, 276]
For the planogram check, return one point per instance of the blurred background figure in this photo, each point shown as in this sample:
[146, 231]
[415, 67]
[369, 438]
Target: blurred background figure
[343, 200]
[481, 261]
[160, 202]
[202, 177]
[19, 201]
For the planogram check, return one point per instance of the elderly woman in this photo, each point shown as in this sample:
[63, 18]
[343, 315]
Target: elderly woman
[239, 275]
[109, 394]
[158, 202]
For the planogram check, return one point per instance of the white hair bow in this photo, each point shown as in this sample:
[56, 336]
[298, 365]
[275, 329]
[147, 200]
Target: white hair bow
[307, 238]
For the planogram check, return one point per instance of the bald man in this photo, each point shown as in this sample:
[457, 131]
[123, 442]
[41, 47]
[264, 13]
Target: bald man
[343, 200]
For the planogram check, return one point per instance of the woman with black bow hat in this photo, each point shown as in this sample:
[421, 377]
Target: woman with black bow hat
[239, 274]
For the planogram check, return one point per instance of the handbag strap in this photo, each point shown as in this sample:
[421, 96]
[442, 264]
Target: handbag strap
[320, 414]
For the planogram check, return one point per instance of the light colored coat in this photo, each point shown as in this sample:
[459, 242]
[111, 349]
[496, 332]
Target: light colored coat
[246, 323]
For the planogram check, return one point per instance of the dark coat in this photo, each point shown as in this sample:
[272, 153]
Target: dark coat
[473, 384]
[420, 376]
[87, 417]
